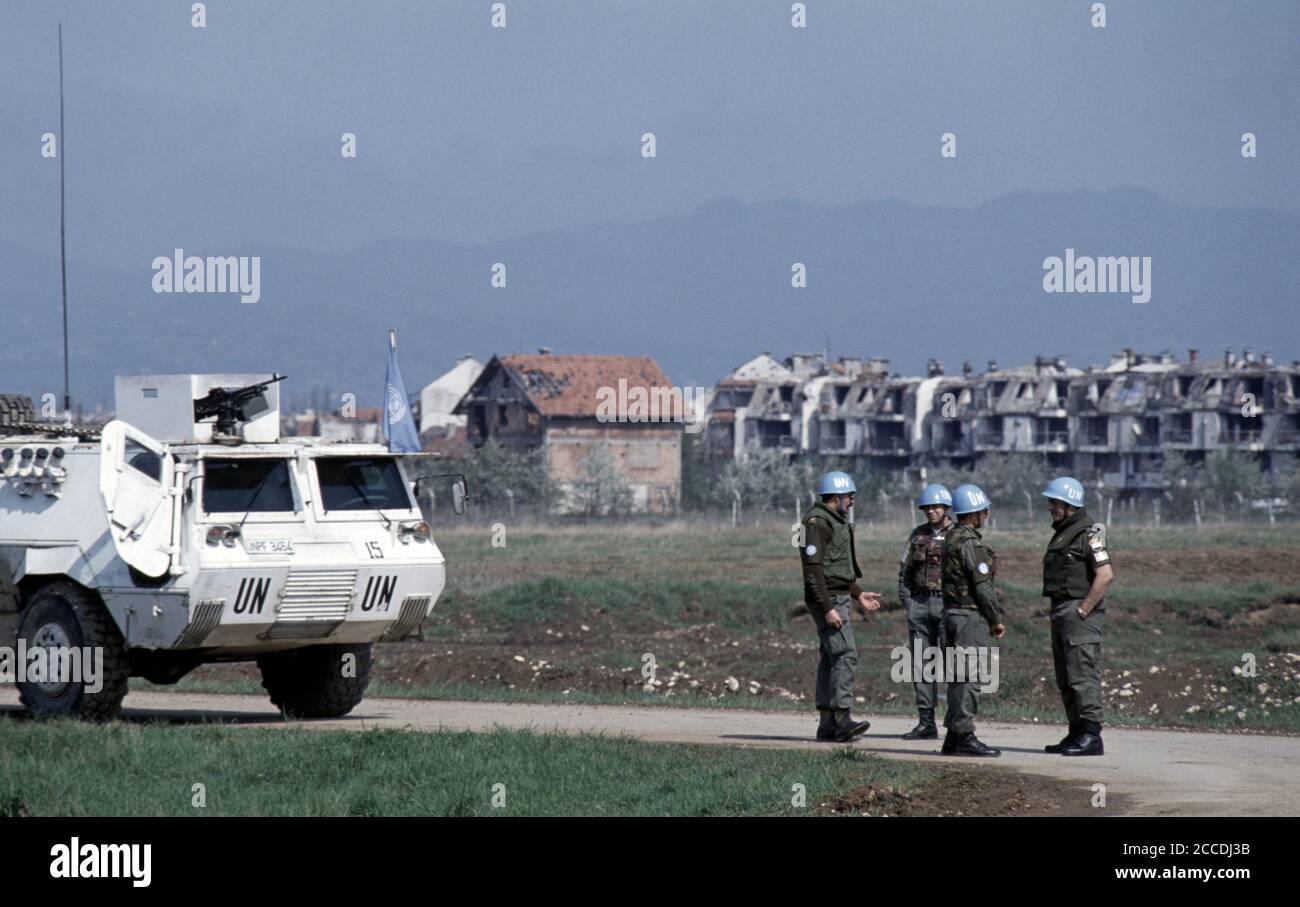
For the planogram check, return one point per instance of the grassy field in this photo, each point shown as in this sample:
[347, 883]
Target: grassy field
[577, 614]
[70, 769]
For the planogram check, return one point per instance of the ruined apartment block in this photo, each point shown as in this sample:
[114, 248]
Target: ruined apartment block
[1111, 425]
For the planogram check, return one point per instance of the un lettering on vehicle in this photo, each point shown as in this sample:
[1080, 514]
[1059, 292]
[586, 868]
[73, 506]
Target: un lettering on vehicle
[377, 593]
[252, 595]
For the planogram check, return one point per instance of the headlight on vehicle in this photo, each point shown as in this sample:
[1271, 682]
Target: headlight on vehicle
[419, 531]
[223, 535]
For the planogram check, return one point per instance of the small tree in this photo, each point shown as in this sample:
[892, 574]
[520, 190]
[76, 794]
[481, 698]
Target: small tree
[1232, 479]
[498, 474]
[600, 489]
[766, 480]
[700, 474]
[1182, 486]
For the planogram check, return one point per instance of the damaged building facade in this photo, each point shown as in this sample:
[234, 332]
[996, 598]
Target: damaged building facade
[551, 402]
[1110, 425]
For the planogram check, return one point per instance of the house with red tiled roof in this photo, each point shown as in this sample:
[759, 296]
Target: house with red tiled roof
[589, 415]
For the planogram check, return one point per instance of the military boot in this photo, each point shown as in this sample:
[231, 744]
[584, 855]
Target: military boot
[846, 728]
[925, 729]
[1088, 743]
[1065, 741]
[826, 728]
[970, 745]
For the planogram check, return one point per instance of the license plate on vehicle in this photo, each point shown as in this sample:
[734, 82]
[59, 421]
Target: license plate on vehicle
[268, 546]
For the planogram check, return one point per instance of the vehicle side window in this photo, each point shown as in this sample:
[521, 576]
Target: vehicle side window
[361, 483]
[247, 485]
[143, 460]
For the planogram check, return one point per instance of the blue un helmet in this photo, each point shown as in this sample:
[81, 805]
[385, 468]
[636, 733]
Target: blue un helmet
[1065, 489]
[934, 494]
[969, 499]
[836, 482]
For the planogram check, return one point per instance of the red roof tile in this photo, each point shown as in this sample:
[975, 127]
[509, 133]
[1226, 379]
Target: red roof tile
[567, 385]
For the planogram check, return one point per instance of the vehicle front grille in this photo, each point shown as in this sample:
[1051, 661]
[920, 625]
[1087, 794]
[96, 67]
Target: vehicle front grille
[205, 616]
[413, 611]
[309, 595]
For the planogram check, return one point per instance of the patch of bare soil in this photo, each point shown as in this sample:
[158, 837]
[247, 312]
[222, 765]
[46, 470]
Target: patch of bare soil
[970, 791]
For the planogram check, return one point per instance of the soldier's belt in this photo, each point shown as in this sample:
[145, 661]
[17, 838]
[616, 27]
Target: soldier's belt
[962, 606]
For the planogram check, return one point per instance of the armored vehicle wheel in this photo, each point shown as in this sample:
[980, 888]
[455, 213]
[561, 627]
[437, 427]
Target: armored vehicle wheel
[318, 681]
[64, 614]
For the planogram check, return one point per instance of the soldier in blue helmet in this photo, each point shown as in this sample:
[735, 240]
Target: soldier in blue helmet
[920, 588]
[830, 580]
[972, 612]
[1076, 574]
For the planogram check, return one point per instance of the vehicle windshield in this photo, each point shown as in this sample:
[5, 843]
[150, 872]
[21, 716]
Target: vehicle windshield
[361, 483]
[241, 485]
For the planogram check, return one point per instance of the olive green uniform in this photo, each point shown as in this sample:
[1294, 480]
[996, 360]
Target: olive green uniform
[1073, 555]
[971, 608]
[830, 579]
[920, 588]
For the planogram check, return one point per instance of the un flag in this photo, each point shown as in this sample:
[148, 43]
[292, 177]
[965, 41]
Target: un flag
[399, 426]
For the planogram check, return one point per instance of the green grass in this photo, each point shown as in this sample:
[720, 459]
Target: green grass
[631, 583]
[67, 768]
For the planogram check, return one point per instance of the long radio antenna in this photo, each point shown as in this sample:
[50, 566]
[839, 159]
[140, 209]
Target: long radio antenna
[63, 248]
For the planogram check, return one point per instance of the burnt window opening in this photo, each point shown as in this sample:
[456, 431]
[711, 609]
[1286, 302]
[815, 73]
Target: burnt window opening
[1149, 431]
[1177, 428]
[1131, 393]
[1095, 430]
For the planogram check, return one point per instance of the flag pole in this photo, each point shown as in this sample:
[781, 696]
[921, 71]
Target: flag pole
[63, 253]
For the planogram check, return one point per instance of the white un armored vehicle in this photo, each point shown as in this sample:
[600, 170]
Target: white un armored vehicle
[188, 531]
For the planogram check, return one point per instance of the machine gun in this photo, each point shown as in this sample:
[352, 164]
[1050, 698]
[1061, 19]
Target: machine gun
[232, 405]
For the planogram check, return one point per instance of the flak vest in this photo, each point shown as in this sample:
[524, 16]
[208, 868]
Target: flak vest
[1065, 565]
[956, 586]
[925, 559]
[837, 559]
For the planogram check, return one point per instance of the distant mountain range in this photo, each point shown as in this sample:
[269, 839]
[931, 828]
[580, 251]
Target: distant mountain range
[700, 292]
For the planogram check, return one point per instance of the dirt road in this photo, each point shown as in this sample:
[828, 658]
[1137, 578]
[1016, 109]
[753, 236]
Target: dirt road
[1155, 772]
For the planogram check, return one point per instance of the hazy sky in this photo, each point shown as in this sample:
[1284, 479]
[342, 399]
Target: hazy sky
[226, 139]
[231, 132]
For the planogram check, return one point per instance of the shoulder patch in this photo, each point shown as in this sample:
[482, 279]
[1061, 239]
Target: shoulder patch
[983, 568]
[1097, 532]
[811, 550]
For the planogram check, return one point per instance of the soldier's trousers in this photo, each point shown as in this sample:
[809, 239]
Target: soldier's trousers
[1076, 655]
[925, 625]
[839, 657]
[965, 628]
